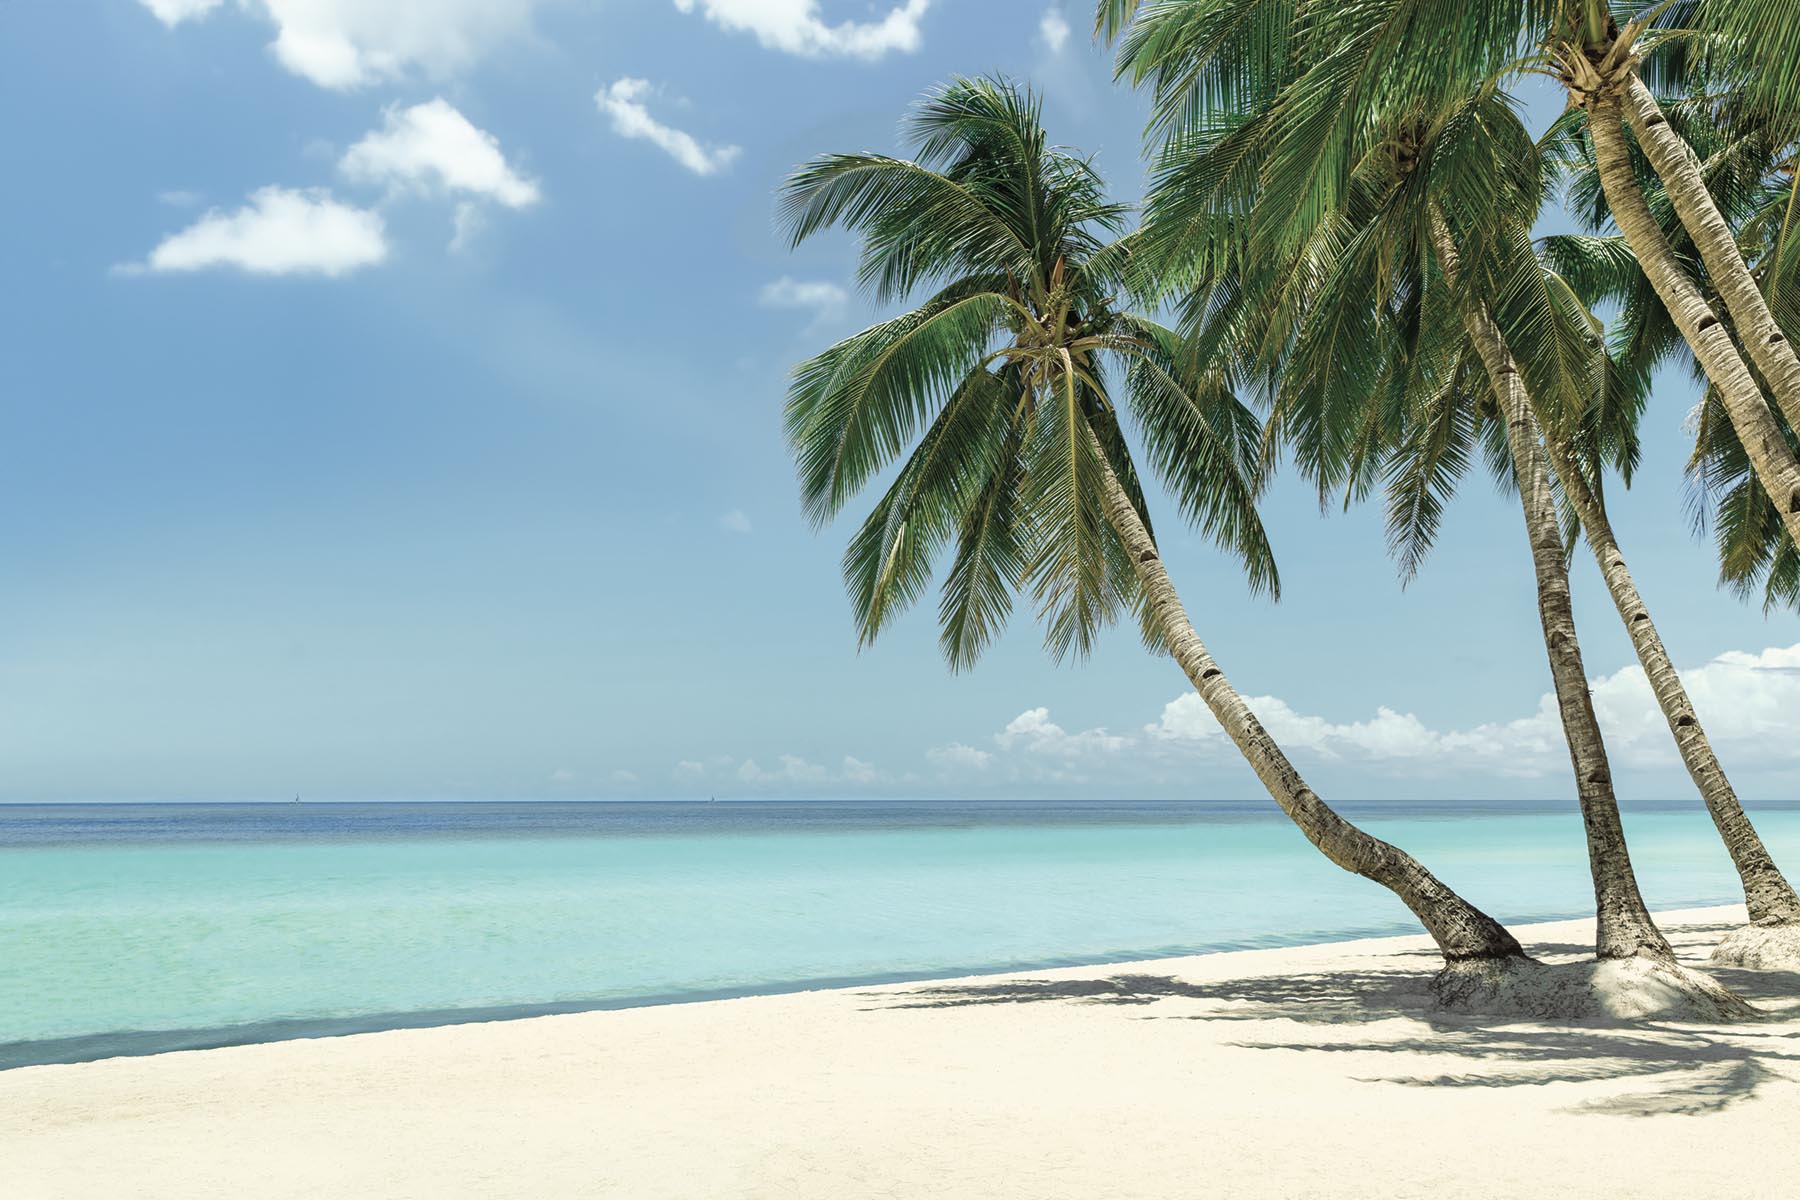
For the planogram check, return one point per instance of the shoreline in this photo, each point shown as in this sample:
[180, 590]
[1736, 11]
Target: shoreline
[1268, 1072]
[144, 1043]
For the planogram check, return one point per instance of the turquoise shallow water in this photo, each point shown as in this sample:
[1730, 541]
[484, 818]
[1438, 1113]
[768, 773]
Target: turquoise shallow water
[243, 922]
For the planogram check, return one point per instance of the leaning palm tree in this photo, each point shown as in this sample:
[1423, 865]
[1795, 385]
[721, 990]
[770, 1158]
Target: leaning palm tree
[1002, 396]
[1383, 267]
[1753, 544]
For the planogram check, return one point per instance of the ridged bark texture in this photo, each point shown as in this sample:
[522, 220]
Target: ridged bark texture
[1767, 893]
[1770, 455]
[1463, 932]
[1679, 170]
[1623, 924]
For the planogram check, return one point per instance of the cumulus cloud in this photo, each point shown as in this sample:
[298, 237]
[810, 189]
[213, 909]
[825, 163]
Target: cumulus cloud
[432, 147]
[1749, 704]
[796, 27]
[350, 43]
[622, 101]
[1033, 730]
[281, 231]
[1054, 29]
[735, 522]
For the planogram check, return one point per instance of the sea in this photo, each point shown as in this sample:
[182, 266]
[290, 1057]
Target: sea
[142, 928]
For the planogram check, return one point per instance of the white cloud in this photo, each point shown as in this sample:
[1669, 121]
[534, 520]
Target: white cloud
[825, 300]
[1033, 730]
[735, 522]
[173, 12]
[624, 776]
[179, 198]
[956, 755]
[1388, 734]
[350, 43]
[791, 772]
[432, 147]
[796, 27]
[622, 100]
[280, 232]
[1749, 704]
[1054, 29]
[562, 775]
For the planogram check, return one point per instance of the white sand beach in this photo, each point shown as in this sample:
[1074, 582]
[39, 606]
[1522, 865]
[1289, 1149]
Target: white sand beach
[1315, 1071]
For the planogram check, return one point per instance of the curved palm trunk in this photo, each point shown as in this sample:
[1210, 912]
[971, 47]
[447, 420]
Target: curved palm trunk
[1767, 894]
[1771, 457]
[1463, 932]
[1623, 924]
[1679, 169]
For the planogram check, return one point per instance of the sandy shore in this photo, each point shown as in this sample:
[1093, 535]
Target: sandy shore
[1273, 1073]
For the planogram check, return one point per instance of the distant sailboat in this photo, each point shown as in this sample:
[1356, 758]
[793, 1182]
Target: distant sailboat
[296, 797]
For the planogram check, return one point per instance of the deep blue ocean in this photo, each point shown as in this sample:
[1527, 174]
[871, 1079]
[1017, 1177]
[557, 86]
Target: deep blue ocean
[132, 928]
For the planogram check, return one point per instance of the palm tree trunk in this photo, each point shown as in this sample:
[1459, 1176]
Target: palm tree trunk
[1767, 894]
[1463, 932]
[1623, 924]
[1679, 169]
[1773, 459]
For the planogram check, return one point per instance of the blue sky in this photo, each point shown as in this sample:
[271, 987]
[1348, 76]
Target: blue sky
[391, 407]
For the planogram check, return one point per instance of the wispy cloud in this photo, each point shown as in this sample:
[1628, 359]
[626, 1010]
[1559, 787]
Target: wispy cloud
[826, 301]
[801, 774]
[795, 26]
[1054, 29]
[735, 522]
[958, 756]
[281, 231]
[622, 101]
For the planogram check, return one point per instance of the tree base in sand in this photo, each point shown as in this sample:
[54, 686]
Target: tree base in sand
[1764, 947]
[1623, 989]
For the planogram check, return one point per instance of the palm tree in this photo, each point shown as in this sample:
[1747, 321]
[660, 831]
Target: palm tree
[1420, 188]
[1348, 64]
[1000, 395]
[1752, 540]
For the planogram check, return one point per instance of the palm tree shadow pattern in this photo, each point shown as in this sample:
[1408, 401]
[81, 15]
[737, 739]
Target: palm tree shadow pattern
[1689, 1069]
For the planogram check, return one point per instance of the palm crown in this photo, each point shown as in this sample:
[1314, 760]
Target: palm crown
[996, 392]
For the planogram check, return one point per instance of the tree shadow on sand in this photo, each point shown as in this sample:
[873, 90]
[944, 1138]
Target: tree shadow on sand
[1690, 1069]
